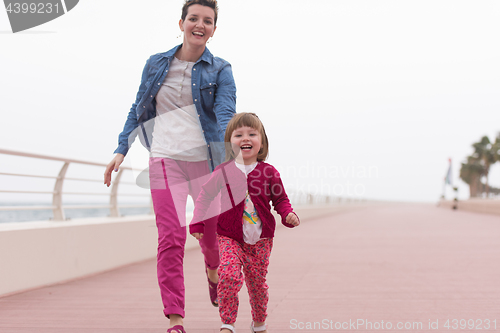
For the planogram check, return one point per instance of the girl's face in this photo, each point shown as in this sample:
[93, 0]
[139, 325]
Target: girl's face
[246, 143]
[198, 26]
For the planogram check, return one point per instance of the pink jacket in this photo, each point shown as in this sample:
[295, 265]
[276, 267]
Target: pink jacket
[264, 186]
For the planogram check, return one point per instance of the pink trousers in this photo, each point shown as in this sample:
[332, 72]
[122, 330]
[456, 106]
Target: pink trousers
[254, 260]
[171, 182]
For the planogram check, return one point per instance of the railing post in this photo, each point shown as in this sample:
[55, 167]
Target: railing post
[151, 207]
[113, 197]
[58, 210]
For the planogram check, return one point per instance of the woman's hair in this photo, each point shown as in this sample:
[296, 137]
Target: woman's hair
[247, 119]
[209, 3]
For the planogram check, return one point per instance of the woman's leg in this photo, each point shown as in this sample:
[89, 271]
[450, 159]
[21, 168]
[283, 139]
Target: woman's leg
[230, 279]
[199, 174]
[255, 264]
[164, 175]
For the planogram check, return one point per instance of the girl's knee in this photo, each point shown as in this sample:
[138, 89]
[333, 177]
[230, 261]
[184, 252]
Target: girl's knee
[229, 272]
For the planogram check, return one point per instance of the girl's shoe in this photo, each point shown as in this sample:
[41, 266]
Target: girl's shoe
[212, 289]
[254, 329]
[228, 327]
[176, 329]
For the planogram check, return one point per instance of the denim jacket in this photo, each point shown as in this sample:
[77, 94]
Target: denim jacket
[214, 96]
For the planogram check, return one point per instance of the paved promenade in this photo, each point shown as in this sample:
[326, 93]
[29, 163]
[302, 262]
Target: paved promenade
[369, 269]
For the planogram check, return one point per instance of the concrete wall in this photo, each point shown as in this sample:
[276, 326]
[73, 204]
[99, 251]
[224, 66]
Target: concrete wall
[34, 254]
[476, 205]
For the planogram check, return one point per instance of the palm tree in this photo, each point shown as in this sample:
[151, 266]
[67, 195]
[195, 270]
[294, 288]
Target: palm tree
[471, 173]
[483, 152]
[495, 149]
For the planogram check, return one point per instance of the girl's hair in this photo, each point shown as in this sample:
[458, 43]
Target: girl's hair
[209, 3]
[250, 120]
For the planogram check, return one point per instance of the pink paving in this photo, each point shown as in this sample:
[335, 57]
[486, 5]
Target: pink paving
[373, 266]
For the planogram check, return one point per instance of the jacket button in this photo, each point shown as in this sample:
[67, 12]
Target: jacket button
[194, 69]
[144, 106]
[208, 145]
[158, 83]
[194, 84]
[195, 100]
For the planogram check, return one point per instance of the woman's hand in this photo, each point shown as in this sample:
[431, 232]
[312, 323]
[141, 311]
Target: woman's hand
[292, 219]
[197, 235]
[113, 165]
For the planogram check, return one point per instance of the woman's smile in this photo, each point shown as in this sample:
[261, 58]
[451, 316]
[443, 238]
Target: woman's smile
[199, 25]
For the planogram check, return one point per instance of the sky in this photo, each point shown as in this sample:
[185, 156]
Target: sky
[364, 99]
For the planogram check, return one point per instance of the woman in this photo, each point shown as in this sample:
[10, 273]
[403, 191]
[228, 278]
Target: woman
[185, 100]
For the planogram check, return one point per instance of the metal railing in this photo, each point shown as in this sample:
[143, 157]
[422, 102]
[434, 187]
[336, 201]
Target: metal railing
[306, 198]
[57, 206]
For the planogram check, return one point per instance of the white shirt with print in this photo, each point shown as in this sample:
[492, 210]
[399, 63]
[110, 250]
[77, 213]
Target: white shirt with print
[252, 225]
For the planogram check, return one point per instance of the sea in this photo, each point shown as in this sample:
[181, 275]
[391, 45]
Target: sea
[46, 214]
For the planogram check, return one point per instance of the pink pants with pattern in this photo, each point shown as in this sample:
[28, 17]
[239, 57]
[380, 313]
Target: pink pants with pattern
[254, 260]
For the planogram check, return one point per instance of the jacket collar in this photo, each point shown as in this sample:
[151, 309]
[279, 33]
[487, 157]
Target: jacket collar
[206, 56]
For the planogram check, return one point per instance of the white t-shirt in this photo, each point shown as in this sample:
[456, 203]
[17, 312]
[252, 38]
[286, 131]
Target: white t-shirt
[177, 131]
[252, 225]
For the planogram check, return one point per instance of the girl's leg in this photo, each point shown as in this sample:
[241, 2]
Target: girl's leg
[171, 234]
[255, 264]
[230, 279]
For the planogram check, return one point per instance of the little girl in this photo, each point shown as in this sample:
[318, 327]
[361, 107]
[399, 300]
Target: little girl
[245, 227]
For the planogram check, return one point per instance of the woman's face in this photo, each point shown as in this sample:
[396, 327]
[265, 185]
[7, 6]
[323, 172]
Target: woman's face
[199, 25]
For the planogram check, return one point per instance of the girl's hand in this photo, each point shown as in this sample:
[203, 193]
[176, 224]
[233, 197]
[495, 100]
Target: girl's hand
[197, 235]
[113, 165]
[292, 219]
